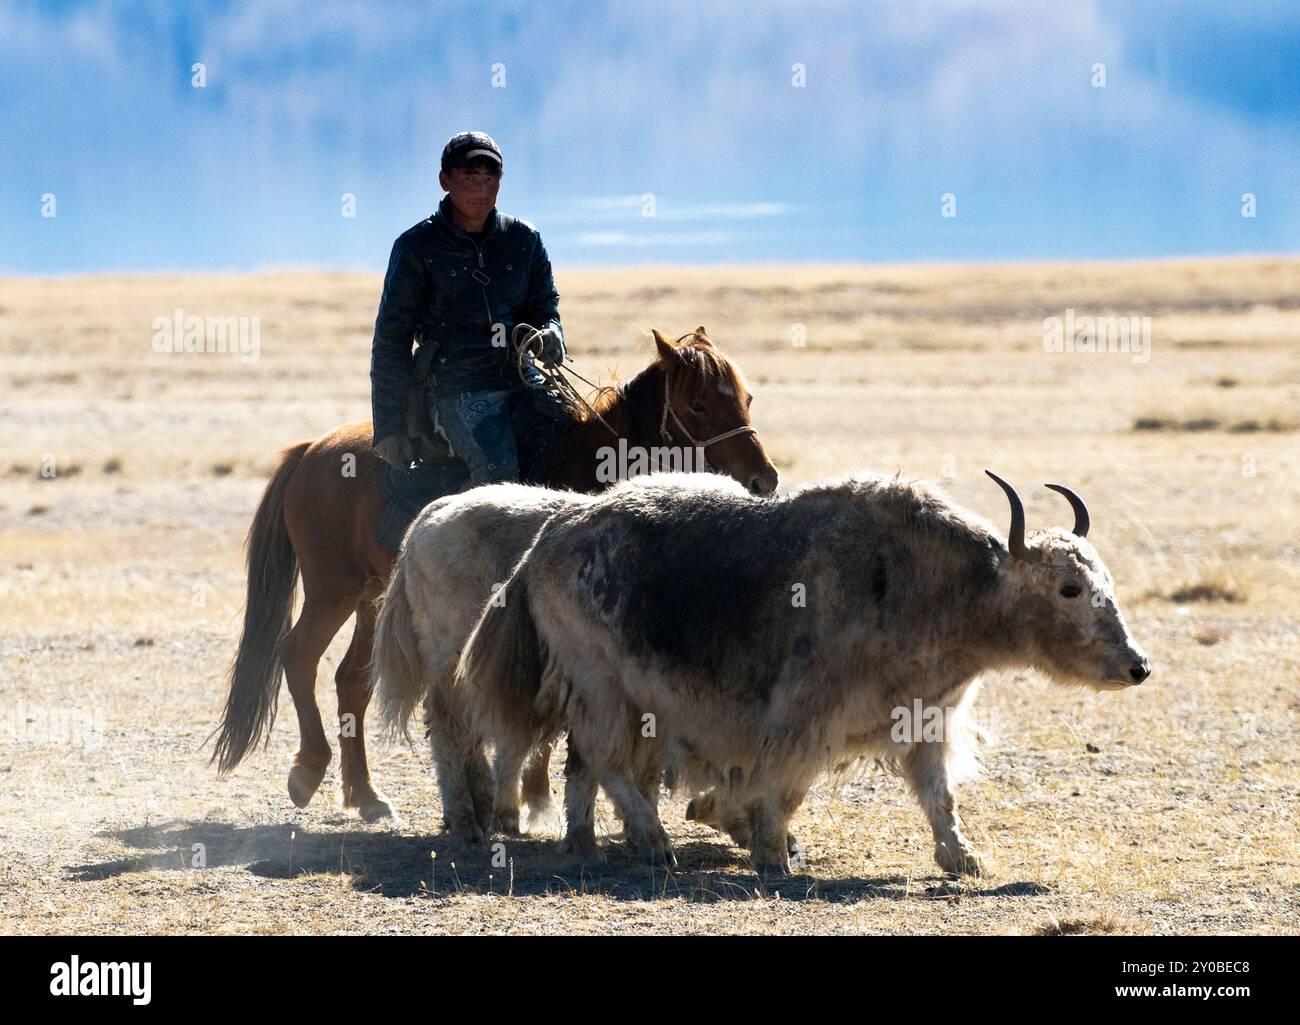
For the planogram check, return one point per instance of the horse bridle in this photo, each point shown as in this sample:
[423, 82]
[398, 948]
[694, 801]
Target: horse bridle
[701, 445]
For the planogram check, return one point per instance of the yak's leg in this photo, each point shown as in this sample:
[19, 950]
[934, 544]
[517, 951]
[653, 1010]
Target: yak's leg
[778, 790]
[720, 810]
[457, 760]
[580, 808]
[353, 682]
[537, 782]
[649, 772]
[507, 763]
[641, 824]
[482, 788]
[300, 653]
[928, 777]
[770, 848]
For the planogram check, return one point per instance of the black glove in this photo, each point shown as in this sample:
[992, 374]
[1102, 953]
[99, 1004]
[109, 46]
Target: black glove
[552, 347]
[395, 450]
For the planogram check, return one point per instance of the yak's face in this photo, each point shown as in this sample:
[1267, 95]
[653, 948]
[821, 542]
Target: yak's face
[1067, 609]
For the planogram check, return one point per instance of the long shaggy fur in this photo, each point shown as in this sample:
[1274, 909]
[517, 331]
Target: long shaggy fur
[503, 655]
[397, 660]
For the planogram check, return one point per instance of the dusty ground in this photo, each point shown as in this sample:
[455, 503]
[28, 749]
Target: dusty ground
[1169, 808]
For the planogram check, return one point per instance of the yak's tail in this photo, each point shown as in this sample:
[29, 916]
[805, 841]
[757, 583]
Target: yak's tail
[272, 577]
[398, 664]
[501, 666]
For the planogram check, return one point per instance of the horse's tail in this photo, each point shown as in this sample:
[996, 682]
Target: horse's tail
[397, 661]
[501, 665]
[272, 577]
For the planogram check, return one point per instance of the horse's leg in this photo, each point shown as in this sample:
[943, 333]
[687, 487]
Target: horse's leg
[354, 687]
[300, 653]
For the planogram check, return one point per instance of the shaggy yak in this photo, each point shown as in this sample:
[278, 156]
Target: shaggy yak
[454, 558]
[752, 644]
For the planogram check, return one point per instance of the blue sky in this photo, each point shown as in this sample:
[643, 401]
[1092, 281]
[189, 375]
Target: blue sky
[690, 102]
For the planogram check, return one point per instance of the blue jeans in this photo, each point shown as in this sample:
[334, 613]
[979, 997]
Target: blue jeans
[480, 429]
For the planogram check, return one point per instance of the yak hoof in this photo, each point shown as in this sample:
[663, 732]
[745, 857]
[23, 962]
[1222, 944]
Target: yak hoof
[578, 841]
[542, 809]
[464, 828]
[584, 849]
[544, 818]
[960, 861]
[658, 854]
[507, 822]
[772, 869]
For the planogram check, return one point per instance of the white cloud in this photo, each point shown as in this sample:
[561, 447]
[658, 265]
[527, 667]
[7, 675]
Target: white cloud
[720, 211]
[642, 241]
[686, 212]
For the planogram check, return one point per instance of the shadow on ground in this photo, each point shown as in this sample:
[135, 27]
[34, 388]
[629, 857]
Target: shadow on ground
[397, 865]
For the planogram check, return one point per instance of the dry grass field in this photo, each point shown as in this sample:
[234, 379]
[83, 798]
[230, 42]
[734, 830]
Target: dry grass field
[1169, 808]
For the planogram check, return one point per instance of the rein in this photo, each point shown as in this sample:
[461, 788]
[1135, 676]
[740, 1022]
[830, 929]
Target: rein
[555, 377]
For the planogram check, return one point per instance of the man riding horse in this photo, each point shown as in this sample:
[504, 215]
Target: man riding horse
[458, 284]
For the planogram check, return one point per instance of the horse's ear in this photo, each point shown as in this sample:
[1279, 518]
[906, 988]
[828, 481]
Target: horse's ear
[667, 352]
[701, 332]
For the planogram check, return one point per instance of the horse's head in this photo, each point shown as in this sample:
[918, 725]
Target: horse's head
[707, 406]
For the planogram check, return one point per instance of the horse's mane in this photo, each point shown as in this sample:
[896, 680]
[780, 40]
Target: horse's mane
[702, 365]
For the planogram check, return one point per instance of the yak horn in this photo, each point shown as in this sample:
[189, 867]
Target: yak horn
[1016, 535]
[1081, 521]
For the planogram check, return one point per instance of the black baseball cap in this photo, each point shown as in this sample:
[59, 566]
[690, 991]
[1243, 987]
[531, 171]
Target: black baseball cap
[463, 147]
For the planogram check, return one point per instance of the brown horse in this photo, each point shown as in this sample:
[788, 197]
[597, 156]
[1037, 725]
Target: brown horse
[320, 513]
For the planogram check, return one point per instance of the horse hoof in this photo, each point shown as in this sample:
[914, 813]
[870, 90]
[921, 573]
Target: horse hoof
[379, 808]
[304, 781]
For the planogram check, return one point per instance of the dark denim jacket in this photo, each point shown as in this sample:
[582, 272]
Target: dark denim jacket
[443, 290]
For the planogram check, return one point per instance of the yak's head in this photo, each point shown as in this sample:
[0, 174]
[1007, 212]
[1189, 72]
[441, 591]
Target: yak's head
[1064, 612]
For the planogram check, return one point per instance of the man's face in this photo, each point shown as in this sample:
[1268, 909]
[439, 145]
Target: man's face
[473, 189]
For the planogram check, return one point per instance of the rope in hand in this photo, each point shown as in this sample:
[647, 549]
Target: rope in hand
[575, 403]
[553, 376]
